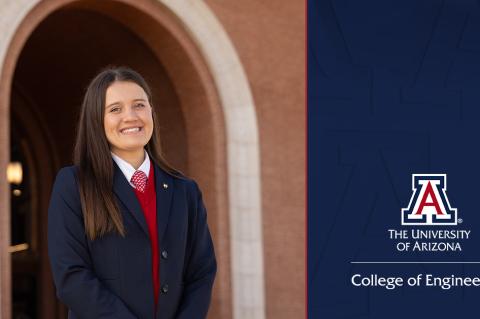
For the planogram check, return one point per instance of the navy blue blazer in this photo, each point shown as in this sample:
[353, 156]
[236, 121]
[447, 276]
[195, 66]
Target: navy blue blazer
[111, 277]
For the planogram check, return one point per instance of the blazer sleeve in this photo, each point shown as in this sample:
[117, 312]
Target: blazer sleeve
[76, 283]
[201, 266]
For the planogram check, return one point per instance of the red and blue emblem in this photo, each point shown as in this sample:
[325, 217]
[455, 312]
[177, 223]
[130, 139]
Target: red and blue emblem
[429, 203]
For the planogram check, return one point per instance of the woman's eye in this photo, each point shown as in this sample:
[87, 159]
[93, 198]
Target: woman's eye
[140, 105]
[114, 109]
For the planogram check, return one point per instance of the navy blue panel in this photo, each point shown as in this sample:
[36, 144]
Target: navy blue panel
[393, 90]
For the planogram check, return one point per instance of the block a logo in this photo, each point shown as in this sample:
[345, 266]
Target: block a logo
[429, 203]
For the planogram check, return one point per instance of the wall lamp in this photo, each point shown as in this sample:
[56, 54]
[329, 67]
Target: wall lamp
[14, 173]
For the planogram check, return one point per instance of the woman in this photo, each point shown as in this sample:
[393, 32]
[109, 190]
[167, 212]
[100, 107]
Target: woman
[127, 234]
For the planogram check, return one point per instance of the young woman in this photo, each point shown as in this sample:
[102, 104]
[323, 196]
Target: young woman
[127, 234]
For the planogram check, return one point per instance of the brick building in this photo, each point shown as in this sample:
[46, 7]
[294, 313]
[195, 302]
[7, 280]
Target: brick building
[229, 82]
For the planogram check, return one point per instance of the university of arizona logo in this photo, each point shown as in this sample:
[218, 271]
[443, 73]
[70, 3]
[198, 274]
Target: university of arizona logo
[429, 203]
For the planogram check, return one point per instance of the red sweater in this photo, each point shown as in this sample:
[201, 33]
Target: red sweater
[148, 202]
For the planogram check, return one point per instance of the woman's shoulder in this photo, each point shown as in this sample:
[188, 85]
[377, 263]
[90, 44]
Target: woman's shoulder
[66, 180]
[183, 182]
[65, 188]
[67, 174]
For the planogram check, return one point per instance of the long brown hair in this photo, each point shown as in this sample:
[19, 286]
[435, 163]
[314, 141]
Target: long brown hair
[93, 158]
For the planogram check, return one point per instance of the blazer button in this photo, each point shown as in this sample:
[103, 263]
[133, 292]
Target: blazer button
[164, 254]
[165, 289]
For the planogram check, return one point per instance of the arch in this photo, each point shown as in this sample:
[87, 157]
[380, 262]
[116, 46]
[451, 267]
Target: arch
[239, 119]
[243, 155]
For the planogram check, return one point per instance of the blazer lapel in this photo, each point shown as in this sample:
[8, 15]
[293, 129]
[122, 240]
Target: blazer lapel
[164, 189]
[126, 195]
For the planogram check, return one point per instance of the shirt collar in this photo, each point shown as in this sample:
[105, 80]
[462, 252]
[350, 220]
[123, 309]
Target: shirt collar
[128, 170]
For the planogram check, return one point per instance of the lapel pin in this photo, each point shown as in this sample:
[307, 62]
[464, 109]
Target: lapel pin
[165, 185]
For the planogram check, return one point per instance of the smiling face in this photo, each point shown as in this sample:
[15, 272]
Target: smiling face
[128, 119]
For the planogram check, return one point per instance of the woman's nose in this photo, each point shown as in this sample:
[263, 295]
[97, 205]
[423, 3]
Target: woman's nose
[130, 114]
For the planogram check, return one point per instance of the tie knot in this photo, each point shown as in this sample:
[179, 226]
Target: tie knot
[139, 180]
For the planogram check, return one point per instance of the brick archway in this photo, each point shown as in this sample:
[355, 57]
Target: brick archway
[222, 134]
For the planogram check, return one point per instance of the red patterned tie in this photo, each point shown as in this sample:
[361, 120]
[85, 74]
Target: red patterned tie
[139, 180]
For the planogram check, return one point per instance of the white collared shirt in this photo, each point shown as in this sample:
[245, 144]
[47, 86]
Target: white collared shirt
[128, 170]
